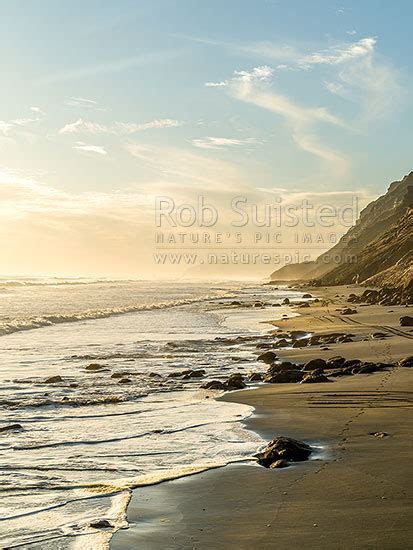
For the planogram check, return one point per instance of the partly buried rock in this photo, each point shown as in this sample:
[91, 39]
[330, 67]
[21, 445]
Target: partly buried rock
[101, 524]
[348, 311]
[315, 364]
[284, 377]
[406, 321]
[194, 374]
[284, 449]
[125, 381]
[213, 385]
[53, 380]
[11, 428]
[235, 382]
[314, 378]
[307, 296]
[94, 367]
[267, 357]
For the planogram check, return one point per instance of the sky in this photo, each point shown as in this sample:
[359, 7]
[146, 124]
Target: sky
[105, 106]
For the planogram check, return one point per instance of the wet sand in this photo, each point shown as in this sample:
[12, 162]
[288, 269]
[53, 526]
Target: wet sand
[354, 493]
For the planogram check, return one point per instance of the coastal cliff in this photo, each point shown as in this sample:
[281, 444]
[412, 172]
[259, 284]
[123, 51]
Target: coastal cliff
[377, 250]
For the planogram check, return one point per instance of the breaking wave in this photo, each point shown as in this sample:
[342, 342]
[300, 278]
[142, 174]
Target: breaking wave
[17, 325]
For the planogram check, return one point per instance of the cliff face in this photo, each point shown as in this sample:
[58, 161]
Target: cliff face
[380, 244]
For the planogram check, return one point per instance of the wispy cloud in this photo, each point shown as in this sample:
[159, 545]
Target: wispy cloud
[216, 84]
[254, 87]
[83, 103]
[96, 149]
[352, 70]
[81, 126]
[222, 143]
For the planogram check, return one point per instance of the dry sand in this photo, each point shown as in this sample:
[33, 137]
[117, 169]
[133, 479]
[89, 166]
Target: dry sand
[354, 493]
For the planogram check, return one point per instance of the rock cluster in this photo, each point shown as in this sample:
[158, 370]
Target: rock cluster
[385, 296]
[283, 450]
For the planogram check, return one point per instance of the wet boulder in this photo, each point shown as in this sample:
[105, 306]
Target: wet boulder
[53, 380]
[255, 377]
[235, 382]
[199, 373]
[283, 449]
[101, 524]
[94, 367]
[267, 357]
[11, 428]
[285, 377]
[214, 385]
[281, 367]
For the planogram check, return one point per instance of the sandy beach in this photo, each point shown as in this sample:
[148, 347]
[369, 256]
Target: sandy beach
[355, 492]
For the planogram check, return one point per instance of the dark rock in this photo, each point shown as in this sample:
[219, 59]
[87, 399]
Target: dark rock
[214, 385]
[120, 374]
[264, 345]
[255, 377]
[125, 381]
[285, 377]
[280, 367]
[94, 367]
[283, 448]
[235, 303]
[335, 361]
[348, 311]
[300, 343]
[351, 363]
[235, 382]
[286, 301]
[101, 524]
[307, 296]
[11, 428]
[315, 364]
[406, 321]
[194, 374]
[155, 375]
[267, 357]
[306, 304]
[53, 380]
[283, 343]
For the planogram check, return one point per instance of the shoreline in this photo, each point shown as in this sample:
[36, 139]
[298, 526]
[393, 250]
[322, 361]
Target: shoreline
[241, 506]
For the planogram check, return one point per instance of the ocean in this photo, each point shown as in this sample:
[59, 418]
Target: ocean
[120, 416]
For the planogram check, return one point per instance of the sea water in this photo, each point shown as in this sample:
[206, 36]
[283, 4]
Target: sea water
[88, 439]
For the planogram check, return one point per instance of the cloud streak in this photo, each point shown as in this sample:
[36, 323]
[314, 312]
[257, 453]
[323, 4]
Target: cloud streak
[254, 87]
[81, 126]
[222, 143]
